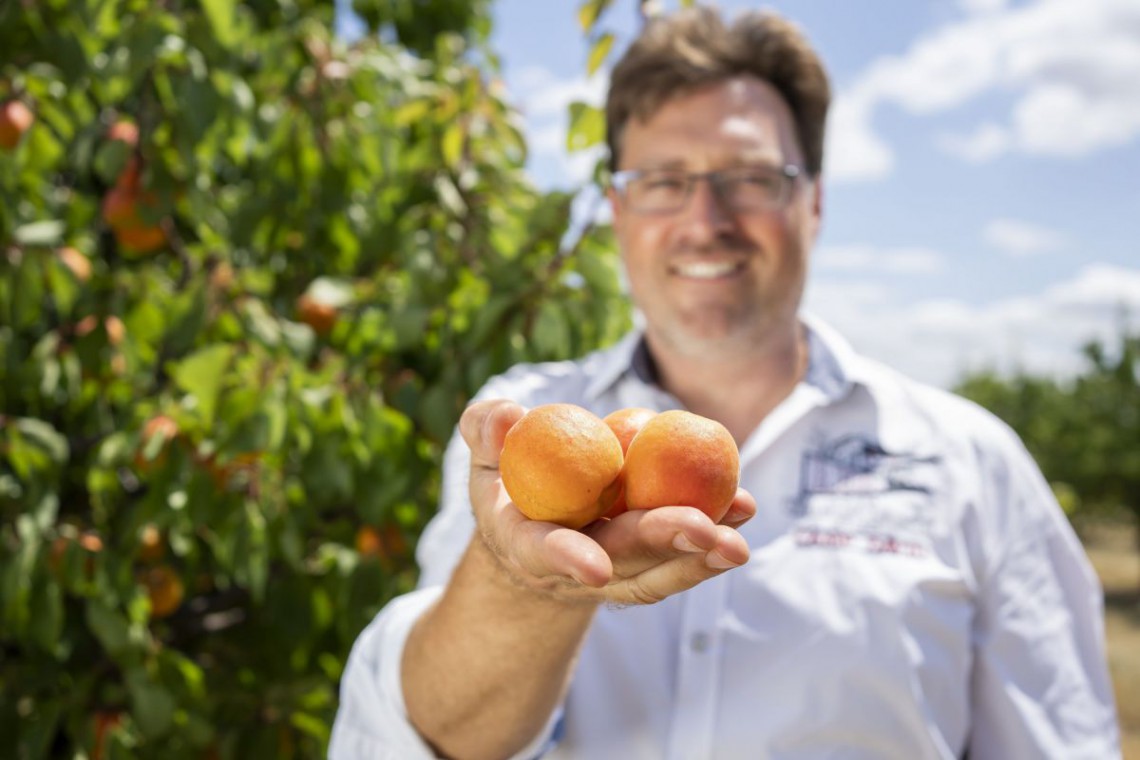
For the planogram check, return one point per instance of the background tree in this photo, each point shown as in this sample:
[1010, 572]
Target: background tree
[1085, 433]
[250, 276]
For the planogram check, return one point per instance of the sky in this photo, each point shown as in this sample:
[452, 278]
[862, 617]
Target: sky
[981, 175]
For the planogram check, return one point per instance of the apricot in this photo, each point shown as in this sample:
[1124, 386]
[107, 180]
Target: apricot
[682, 459]
[76, 263]
[316, 314]
[164, 589]
[15, 119]
[562, 464]
[383, 544]
[626, 423]
[124, 131]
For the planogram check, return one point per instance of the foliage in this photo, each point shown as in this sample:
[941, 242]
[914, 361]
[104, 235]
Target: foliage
[225, 391]
[1085, 434]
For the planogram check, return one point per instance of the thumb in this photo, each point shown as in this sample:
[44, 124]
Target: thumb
[484, 426]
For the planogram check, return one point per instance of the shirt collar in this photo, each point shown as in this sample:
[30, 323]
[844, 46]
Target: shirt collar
[833, 365]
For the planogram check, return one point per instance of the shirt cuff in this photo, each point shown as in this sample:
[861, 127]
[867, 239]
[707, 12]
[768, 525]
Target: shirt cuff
[372, 719]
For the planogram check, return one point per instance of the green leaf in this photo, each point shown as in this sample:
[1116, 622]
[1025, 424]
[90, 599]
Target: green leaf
[599, 51]
[152, 706]
[109, 627]
[590, 11]
[201, 375]
[587, 126]
[452, 144]
[220, 14]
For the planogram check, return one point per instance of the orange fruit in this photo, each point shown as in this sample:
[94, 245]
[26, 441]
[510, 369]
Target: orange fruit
[562, 464]
[317, 315]
[15, 119]
[125, 131]
[76, 263]
[626, 423]
[164, 589]
[682, 459]
[385, 544]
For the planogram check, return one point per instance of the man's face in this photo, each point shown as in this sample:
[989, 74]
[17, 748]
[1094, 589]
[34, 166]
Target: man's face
[709, 279]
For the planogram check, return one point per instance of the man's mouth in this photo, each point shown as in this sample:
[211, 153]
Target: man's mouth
[707, 270]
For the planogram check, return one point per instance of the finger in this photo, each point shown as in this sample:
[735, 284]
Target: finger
[682, 573]
[484, 425]
[642, 538]
[539, 550]
[742, 509]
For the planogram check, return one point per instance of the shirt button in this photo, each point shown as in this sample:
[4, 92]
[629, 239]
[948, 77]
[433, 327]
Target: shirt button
[699, 642]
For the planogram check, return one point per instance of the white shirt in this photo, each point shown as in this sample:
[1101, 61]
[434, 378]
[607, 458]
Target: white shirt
[914, 591]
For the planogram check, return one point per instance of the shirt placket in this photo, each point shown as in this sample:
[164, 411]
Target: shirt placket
[697, 698]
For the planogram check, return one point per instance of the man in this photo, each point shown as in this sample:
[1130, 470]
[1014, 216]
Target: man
[908, 587]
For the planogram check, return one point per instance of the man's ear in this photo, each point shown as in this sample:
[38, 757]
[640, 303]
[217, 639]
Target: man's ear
[816, 206]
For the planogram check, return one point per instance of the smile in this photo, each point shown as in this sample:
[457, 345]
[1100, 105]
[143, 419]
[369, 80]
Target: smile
[707, 270]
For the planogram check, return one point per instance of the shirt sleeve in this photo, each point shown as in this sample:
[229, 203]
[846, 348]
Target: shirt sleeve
[1040, 684]
[372, 721]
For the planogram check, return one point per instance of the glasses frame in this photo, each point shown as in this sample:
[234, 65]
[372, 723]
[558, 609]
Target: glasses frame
[789, 173]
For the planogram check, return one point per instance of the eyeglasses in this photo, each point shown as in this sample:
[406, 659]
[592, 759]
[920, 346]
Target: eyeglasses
[744, 188]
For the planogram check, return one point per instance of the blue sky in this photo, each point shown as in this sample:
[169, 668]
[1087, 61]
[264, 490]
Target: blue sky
[982, 173]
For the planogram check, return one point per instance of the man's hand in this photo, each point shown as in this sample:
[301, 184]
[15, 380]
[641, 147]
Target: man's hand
[639, 557]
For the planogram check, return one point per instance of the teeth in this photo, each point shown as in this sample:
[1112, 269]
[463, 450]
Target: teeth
[706, 270]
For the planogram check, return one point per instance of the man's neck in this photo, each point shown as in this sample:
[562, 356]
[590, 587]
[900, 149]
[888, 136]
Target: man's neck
[738, 389]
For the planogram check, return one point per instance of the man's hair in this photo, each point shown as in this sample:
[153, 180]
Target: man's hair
[693, 48]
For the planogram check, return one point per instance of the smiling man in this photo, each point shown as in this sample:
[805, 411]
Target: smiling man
[908, 587]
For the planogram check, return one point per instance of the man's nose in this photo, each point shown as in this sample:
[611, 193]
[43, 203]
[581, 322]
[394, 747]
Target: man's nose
[707, 211]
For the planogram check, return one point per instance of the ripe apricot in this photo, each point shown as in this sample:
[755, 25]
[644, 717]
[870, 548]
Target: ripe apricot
[15, 119]
[164, 589]
[380, 543]
[626, 423]
[682, 459]
[76, 263]
[125, 131]
[317, 315]
[560, 463]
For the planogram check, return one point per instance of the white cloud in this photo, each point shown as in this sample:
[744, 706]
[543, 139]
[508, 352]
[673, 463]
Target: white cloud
[982, 6]
[940, 340]
[987, 142]
[1068, 71]
[543, 100]
[862, 258]
[1017, 238]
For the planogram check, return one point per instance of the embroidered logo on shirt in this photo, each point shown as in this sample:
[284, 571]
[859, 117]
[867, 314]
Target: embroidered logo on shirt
[854, 493]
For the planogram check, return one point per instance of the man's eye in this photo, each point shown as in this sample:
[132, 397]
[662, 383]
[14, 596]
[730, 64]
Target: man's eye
[664, 183]
[760, 180]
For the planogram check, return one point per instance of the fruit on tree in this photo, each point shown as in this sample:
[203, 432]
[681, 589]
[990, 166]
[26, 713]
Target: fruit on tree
[76, 263]
[15, 119]
[164, 589]
[121, 211]
[385, 544]
[626, 423]
[682, 459]
[562, 464]
[124, 131]
[316, 314]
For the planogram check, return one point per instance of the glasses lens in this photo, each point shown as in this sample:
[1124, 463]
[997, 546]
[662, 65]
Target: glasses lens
[659, 190]
[752, 188]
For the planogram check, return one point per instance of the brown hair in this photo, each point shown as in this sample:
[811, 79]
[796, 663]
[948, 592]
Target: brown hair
[694, 48]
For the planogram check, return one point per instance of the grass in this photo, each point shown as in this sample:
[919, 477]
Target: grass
[1112, 549]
